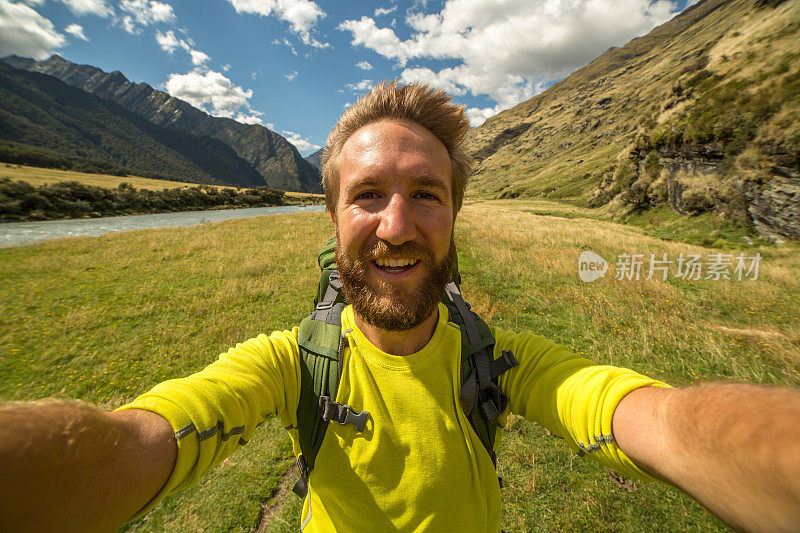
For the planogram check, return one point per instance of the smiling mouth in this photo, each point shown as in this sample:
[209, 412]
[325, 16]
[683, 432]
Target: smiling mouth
[395, 265]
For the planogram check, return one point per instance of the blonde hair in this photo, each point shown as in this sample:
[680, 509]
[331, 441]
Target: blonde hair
[432, 109]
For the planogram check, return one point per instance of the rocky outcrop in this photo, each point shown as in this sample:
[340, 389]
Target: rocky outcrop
[774, 206]
[694, 179]
[770, 202]
[277, 160]
[504, 137]
[703, 159]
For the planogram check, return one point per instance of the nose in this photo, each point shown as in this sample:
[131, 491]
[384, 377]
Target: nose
[397, 224]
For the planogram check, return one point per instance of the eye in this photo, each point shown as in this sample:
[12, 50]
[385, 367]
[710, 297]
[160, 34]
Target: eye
[425, 195]
[366, 195]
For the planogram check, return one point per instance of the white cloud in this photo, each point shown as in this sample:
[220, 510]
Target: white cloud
[89, 7]
[478, 116]
[169, 43]
[442, 80]
[254, 117]
[285, 42]
[364, 65]
[143, 13]
[76, 30]
[302, 15]
[291, 76]
[507, 49]
[226, 67]
[215, 94]
[198, 57]
[385, 10]
[25, 32]
[313, 42]
[382, 40]
[361, 86]
[298, 142]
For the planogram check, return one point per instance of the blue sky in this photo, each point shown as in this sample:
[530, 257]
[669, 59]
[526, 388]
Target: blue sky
[294, 65]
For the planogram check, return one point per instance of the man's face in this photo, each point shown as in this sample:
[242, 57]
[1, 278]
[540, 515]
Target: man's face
[394, 223]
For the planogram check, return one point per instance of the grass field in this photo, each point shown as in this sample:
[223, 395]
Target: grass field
[103, 319]
[41, 176]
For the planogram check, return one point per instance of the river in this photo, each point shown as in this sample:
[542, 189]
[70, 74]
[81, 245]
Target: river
[19, 233]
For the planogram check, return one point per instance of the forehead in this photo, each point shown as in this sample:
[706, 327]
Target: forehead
[393, 149]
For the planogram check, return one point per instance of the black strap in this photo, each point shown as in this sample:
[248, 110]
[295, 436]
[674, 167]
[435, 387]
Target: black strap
[473, 334]
[301, 486]
[482, 358]
[469, 394]
[504, 363]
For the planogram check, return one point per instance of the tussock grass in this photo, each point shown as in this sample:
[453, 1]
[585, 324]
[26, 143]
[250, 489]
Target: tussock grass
[105, 318]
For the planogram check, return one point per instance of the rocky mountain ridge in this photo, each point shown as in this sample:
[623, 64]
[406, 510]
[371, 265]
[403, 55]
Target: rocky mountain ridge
[273, 157]
[46, 122]
[316, 159]
[701, 114]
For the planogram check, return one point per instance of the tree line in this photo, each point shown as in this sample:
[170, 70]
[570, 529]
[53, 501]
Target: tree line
[21, 201]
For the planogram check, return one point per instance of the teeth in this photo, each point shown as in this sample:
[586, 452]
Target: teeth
[392, 262]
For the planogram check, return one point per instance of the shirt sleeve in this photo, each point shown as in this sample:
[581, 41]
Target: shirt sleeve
[216, 410]
[571, 396]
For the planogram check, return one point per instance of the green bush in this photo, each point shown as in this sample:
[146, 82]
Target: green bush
[696, 201]
[70, 199]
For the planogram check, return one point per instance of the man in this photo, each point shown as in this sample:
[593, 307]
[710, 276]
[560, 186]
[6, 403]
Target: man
[394, 175]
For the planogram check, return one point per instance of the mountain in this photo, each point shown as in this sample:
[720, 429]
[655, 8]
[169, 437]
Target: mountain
[45, 121]
[316, 159]
[277, 160]
[702, 114]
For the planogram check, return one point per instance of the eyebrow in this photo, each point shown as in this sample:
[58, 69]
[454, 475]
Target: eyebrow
[420, 181]
[428, 181]
[369, 181]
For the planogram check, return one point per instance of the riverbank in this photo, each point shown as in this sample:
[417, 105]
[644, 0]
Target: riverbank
[22, 233]
[21, 201]
[104, 319]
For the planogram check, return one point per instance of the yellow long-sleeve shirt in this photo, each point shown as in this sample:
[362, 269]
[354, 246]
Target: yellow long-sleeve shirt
[418, 464]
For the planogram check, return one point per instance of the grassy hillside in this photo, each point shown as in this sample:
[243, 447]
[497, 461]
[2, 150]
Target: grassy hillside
[40, 176]
[76, 321]
[713, 97]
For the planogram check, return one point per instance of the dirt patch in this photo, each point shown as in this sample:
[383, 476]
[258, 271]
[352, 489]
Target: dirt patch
[752, 332]
[274, 504]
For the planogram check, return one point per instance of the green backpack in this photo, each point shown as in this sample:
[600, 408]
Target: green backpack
[322, 344]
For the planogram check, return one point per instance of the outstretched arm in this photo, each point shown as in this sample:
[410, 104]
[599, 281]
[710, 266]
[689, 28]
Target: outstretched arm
[68, 466]
[735, 448]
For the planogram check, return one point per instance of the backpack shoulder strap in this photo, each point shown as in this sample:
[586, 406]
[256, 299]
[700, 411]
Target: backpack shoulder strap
[479, 370]
[321, 344]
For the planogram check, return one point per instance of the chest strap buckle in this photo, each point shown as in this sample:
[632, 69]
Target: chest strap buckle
[343, 414]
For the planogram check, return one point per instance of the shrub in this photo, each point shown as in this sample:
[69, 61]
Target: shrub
[20, 200]
[696, 201]
[652, 164]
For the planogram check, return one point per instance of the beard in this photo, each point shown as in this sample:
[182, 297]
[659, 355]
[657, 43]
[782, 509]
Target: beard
[384, 305]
